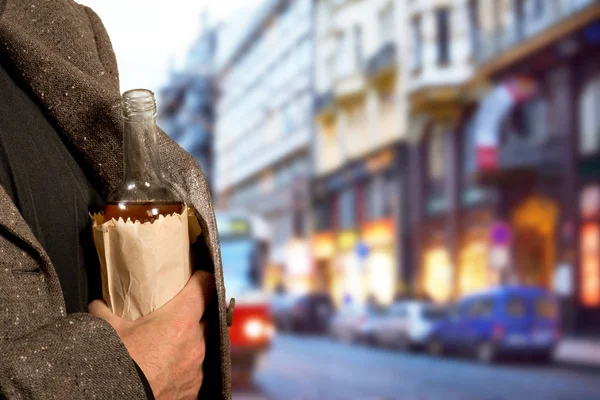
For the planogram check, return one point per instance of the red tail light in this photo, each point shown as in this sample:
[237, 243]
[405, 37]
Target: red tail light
[252, 326]
[498, 332]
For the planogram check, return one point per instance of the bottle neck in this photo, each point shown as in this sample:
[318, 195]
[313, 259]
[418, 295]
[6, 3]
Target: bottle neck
[140, 149]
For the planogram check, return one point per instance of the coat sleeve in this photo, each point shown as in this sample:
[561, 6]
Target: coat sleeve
[73, 357]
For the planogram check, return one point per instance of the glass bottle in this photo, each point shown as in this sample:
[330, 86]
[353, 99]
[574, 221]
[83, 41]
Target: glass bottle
[144, 193]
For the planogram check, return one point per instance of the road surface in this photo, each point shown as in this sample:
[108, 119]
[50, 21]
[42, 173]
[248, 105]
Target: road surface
[319, 369]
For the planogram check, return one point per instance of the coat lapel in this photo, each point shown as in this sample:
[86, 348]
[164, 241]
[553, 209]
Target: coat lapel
[12, 221]
[72, 74]
[74, 83]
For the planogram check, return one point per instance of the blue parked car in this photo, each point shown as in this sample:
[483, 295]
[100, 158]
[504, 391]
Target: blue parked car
[511, 320]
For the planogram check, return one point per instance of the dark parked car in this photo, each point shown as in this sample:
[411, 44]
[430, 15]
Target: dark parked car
[282, 305]
[513, 320]
[311, 313]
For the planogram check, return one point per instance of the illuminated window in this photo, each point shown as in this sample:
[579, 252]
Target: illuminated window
[437, 278]
[589, 118]
[473, 267]
[590, 274]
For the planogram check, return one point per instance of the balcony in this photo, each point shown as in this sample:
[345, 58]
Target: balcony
[526, 154]
[523, 158]
[384, 61]
[349, 85]
[528, 33]
[349, 77]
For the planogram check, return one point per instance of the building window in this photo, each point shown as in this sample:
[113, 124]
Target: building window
[528, 121]
[347, 208]
[497, 22]
[386, 25]
[435, 157]
[358, 51]
[322, 216]
[474, 26]
[417, 38]
[589, 118]
[536, 119]
[375, 200]
[340, 55]
[519, 8]
[538, 8]
[469, 150]
[443, 35]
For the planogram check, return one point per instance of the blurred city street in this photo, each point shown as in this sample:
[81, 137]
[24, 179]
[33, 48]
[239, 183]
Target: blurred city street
[309, 368]
[402, 173]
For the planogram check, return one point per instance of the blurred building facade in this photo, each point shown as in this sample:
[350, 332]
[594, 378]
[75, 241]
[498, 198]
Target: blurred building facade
[540, 147]
[263, 132]
[186, 110]
[503, 154]
[449, 242]
[358, 225]
[439, 147]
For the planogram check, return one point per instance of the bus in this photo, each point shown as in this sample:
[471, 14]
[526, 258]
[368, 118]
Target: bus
[244, 242]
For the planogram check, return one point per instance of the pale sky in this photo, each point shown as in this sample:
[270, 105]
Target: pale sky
[147, 34]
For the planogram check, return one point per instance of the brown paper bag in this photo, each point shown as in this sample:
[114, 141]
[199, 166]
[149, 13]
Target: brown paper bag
[143, 266]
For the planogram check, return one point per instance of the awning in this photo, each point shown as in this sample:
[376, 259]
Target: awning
[488, 118]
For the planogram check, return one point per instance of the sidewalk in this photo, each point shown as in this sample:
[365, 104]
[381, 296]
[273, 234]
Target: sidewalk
[578, 351]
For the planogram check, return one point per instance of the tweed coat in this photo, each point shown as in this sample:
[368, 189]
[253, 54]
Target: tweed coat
[63, 53]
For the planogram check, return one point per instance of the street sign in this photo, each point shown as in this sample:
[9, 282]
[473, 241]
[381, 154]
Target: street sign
[362, 250]
[500, 234]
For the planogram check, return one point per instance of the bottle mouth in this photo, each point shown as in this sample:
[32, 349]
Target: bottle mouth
[138, 104]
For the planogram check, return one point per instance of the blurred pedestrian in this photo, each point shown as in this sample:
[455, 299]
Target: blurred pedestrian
[60, 152]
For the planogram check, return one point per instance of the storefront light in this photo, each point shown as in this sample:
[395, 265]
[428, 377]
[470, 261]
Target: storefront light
[298, 258]
[438, 275]
[346, 240]
[590, 264]
[473, 267]
[323, 245]
[381, 276]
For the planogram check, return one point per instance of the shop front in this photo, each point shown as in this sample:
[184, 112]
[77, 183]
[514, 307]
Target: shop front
[324, 278]
[589, 258]
[298, 266]
[344, 203]
[475, 271]
[349, 269]
[437, 270]
[380, 265]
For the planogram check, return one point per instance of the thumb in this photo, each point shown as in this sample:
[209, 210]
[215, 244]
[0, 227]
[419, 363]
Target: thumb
[195, 295]
[98, 308]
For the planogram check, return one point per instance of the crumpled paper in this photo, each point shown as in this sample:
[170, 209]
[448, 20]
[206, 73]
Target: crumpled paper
[144, 265]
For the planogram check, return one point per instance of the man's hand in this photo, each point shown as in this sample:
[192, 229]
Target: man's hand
[168, 344]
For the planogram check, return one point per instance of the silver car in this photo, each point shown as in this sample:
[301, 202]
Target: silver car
[407, 324]
[347, 324]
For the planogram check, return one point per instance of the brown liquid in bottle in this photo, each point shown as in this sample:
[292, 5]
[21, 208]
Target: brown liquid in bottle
[143, 211]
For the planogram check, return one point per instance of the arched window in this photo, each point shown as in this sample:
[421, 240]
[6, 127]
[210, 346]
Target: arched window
[589, 118]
